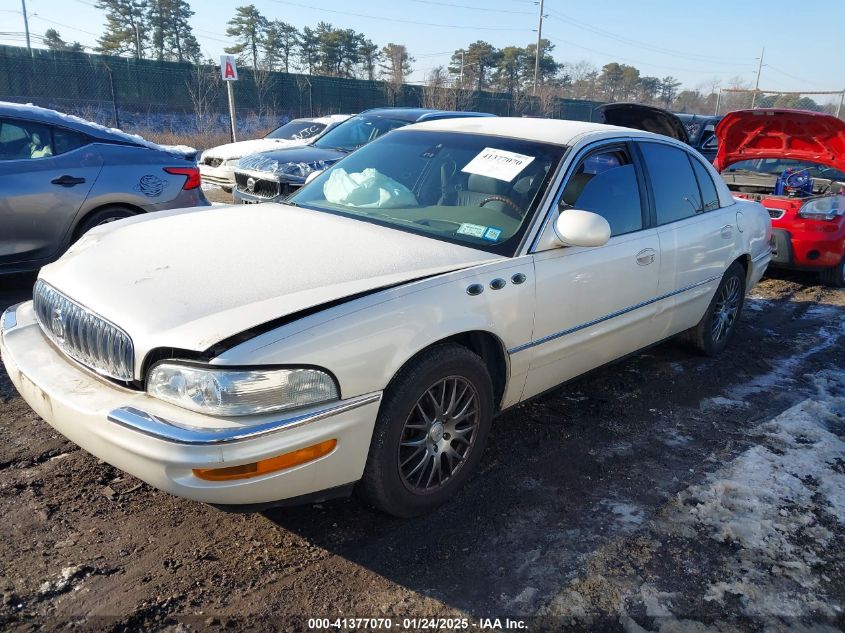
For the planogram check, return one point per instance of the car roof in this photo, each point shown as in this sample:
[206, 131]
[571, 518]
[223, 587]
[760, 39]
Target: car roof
[557, 131]
[68, 121]
[421, 114]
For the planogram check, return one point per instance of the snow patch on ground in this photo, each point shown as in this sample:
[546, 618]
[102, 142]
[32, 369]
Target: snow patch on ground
[778, 509]
[783, 371]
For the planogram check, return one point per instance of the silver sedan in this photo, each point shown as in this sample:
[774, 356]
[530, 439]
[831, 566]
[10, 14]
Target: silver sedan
[61, 176]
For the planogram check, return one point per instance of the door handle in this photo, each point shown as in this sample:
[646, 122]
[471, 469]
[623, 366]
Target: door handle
[645, 257]
[727, 231]
[68, 181]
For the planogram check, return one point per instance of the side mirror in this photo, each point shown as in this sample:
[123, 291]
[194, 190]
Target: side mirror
[313, 175]
[581, 228]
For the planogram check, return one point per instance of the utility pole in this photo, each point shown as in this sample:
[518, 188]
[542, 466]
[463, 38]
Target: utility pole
[462, 69]
[537, 55]
[26, 26]
[757, 83]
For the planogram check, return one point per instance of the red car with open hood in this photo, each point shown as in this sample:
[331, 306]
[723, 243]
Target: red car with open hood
[793, 162]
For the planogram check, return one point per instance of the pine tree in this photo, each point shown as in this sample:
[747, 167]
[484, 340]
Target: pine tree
[249, 27]
[172, 36]
[280, 43]
[309, 53]
[54, 42]
[126, 27]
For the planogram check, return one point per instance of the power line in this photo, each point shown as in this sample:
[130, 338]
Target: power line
[556, 15]
[388, 19]
[474, 8]
[621, 58]
[64, 26]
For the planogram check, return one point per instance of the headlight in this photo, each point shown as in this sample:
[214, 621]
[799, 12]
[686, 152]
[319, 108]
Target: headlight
[303, 169]
[826, 208]
[229, 392]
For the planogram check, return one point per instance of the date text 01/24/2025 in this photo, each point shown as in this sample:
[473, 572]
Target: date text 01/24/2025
[416, 624]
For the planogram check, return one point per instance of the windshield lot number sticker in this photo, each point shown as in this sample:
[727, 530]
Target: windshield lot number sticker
[473, 230]
[498, 164]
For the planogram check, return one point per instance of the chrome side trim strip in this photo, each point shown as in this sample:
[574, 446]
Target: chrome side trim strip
[607, 317]
[10, 318]
[159, 428]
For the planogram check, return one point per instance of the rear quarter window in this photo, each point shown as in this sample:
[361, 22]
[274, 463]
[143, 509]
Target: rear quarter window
[709, 195]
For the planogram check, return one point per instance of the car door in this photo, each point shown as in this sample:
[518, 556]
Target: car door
[696, 235]
[46, 173]
[592, 304]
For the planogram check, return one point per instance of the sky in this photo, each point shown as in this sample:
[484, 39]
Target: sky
[695, 42]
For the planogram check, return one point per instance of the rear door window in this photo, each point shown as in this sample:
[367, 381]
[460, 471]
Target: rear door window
[676, 194]
[67, 141]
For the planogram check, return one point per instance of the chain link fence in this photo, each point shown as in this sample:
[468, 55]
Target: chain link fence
[828, 102]
[184, 99]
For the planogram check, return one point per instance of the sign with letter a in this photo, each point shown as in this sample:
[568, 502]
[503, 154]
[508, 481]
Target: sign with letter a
[228, 68]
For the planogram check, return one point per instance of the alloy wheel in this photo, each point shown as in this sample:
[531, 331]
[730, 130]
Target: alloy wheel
[439, 434]
[726, 309]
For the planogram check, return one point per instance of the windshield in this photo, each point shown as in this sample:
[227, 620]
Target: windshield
[470, 189]
[357, 132]
[776, 166]
[298, 130]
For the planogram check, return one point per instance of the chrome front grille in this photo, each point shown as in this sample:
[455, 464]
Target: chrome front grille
[82, 335]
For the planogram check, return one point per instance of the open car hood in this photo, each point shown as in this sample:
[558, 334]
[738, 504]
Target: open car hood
[773, 133]
[643, 117]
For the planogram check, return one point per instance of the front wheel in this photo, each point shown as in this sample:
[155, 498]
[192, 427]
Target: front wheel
[430, 432]
[834, 276]
[717, 326]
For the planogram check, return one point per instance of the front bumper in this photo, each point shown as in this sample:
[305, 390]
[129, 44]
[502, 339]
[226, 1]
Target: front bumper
[223, 176]
[162, 444]
[813, 246]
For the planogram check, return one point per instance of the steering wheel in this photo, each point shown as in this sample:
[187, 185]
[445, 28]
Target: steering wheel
[510, 204]
[797, 179]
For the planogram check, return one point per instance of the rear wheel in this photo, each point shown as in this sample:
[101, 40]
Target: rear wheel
[430, 432]
[717, 326]
[835, 275]
[101, 216]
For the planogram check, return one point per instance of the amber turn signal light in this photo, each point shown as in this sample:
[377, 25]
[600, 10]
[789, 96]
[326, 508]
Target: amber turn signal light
[269, 465]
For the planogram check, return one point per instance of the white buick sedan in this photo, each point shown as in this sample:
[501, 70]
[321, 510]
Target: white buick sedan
[364, 334]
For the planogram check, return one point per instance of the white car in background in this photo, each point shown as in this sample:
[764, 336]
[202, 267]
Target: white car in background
[217, 165]
[364, 333]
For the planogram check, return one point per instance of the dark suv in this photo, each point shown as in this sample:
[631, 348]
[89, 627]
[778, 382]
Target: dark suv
[272, 176]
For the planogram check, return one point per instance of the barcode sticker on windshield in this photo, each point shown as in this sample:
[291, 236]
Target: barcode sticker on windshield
[498, 164]
[474, 230]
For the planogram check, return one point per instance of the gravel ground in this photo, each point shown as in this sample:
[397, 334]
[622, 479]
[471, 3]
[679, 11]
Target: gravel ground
[666, 493]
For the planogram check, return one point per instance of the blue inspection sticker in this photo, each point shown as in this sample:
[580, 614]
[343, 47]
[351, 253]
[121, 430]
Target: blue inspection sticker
[492, 233]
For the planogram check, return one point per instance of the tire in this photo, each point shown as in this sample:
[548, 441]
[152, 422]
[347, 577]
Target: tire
[101, 216]
[834, 276]
[708, 337]
[411, 438]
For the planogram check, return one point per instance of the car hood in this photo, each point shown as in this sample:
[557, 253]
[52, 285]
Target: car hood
[275, 162]
[245, 148]
[190, 278]
[772, 133]
[642, 117]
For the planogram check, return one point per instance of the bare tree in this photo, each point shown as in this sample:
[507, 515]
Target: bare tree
[436, 91]
[264, 93]
[203, 87]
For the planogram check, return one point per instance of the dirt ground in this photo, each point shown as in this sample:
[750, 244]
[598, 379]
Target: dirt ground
[668, 492]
